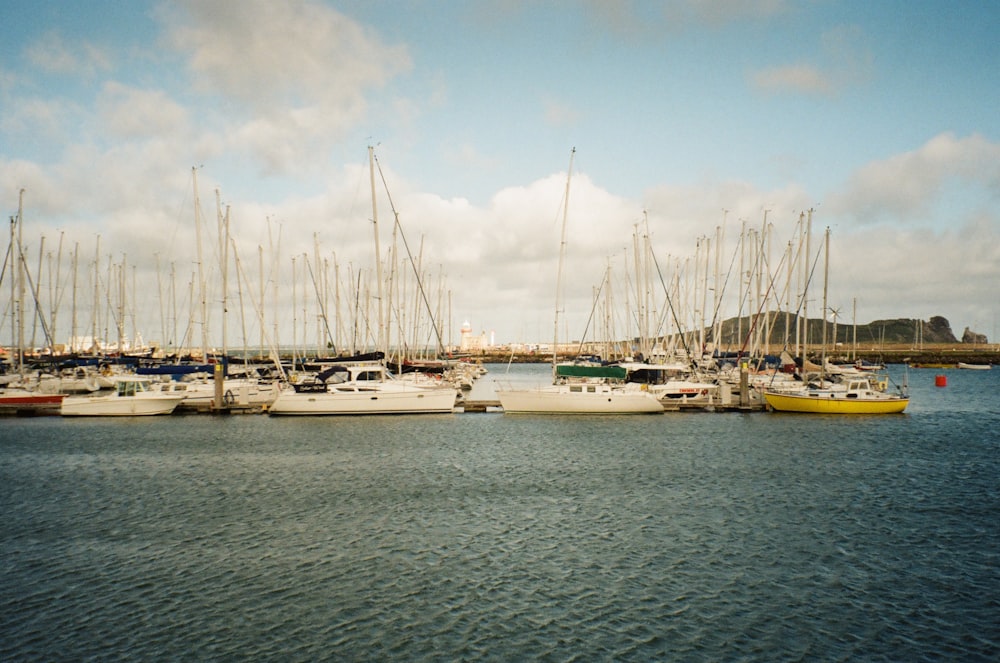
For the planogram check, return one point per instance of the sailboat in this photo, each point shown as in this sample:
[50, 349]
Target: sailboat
[197, 383]
[364, 387]
[858, 395]
[603, 391]
[19, 394]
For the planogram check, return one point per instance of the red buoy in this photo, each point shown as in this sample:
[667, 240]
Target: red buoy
[940, 380]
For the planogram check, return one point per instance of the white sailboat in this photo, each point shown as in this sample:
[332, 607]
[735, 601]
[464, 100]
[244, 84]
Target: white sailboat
[363, 388]
[592, 395]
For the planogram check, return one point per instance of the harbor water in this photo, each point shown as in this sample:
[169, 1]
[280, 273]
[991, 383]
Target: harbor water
[684, 536]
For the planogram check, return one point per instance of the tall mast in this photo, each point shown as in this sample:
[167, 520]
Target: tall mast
[826, 280]
[225, 289]
[20, 283]
[260, 280]
[73, 319]
[55, 292]
[805, 287]
[35, 293]
[562, 255]
[201, 272]
[380, 339]
[97, 297]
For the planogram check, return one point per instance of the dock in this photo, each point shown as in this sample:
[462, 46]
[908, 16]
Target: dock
[478, 406]
[481, 406]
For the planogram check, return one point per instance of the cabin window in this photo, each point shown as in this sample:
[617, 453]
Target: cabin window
[591, 390]
[576, 389]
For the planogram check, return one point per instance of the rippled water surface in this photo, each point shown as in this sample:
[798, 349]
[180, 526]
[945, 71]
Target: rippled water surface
[484, 536]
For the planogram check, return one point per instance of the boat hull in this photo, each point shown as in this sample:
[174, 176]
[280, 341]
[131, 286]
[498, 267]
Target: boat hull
[411, 401]
[561, 400]
[113, 405]
[824, 403]
[18, 401]
[238, 392]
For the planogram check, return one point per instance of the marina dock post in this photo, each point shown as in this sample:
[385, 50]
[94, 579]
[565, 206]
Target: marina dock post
[744, 383]
[218, 401]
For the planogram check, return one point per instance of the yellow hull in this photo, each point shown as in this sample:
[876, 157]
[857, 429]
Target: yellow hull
[823, 403]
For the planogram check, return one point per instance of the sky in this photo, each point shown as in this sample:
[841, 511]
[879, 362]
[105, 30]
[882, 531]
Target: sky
[691, 124]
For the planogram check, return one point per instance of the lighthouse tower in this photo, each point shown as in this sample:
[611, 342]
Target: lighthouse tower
[470, 343]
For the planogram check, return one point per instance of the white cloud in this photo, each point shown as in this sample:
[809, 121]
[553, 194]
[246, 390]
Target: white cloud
[845, 59]
[904, 186]
[130, 113]
[57, 54]
[297, 76]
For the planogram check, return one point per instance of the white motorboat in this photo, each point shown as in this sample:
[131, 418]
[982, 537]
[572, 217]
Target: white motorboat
[132, 396]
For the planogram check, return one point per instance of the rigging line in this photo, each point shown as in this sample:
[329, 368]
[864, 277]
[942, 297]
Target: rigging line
[725, 284]
[406, 245]
[272, 346]
[6, 258]
[34, 296]
[670, 303]
[593, 308]
[322, 304]
[756, 317]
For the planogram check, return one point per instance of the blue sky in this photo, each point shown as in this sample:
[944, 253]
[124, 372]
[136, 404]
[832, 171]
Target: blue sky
[881, 117]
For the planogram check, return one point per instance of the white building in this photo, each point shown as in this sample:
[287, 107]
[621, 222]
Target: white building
[471, 343]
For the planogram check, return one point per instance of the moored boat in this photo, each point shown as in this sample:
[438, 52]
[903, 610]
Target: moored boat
[859, 396]
[975, 367]
[362, 389]
[132, 396]
[14, 400]
[580, 398]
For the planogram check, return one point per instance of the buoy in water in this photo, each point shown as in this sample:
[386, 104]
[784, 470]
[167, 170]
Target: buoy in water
[940, 380]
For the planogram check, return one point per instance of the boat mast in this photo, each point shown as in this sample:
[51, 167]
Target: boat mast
[826, 280]
[562, 256]
[380, 341]
[20, 283]
[805, 289]
[73, 317]
[95, 307]
[201, 273]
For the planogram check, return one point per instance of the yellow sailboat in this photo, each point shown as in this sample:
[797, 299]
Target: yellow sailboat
[859, 397]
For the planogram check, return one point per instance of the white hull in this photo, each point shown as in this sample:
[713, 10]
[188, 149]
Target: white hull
[579, 399]
[974, 367]
[684, 391]
[113, 405]
[237, 392]
[367, 400]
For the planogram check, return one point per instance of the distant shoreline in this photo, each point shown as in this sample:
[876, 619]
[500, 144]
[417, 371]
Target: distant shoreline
[940, 355]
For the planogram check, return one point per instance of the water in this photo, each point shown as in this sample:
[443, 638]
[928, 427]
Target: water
[489, 537]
